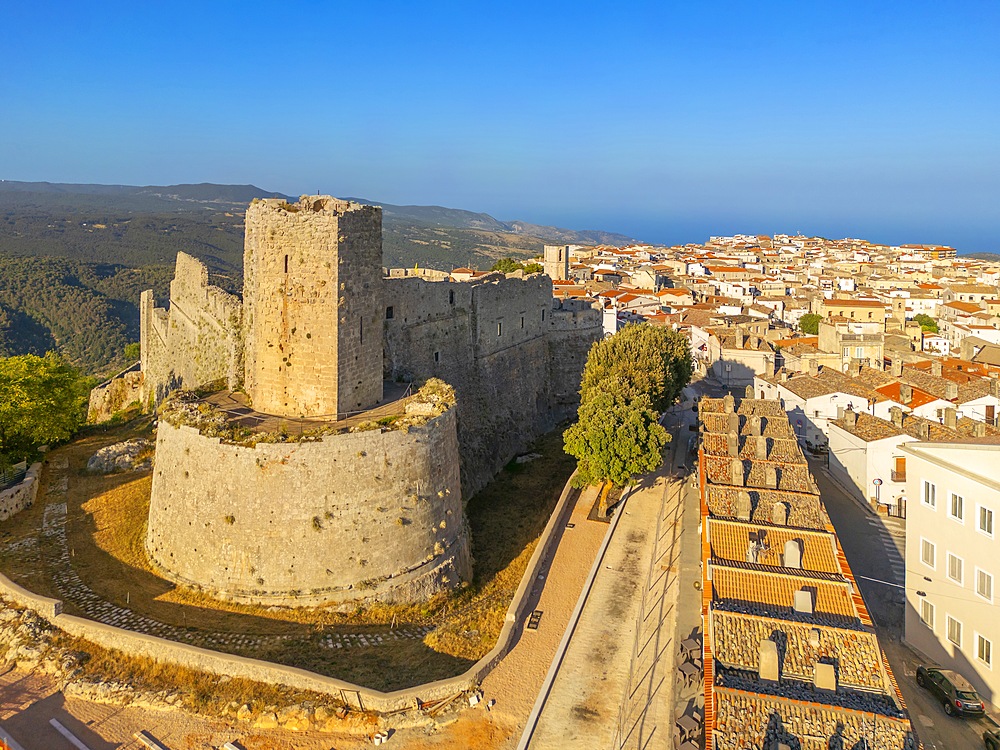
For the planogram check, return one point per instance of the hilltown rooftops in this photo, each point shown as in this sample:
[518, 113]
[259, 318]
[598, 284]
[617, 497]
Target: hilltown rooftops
[790, 655]
[731, 540]
[871, 429]
[828, 380]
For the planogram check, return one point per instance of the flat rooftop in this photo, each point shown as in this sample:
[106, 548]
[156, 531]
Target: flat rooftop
[236, 407]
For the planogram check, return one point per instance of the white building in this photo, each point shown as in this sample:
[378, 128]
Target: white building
[953, 558]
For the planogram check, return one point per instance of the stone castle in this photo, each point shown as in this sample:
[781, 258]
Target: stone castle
[322, 337]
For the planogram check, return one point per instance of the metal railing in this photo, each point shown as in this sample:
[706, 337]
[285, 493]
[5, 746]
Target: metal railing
[14, 475]
[898, 476]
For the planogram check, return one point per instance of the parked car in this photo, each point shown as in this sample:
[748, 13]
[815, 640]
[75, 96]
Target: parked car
[992, 739]
[957, 696]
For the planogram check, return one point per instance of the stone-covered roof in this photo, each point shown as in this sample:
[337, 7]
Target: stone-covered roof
[750, 594]
[775, 591]
[938, 386]
[737, 639]
[730, 540]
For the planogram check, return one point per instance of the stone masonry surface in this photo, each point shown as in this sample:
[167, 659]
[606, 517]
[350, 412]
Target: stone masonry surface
[365, 514]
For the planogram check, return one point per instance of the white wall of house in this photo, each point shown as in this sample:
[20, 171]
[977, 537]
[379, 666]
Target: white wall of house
[857, 463]
[962, 631]
[978, 409]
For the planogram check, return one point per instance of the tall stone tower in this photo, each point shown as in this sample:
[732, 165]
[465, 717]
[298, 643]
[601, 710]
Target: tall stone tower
[555, 260]
[312, 301]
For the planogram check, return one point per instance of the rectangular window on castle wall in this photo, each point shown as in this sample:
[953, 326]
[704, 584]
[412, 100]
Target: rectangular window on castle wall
[499, 328]
[389, 312]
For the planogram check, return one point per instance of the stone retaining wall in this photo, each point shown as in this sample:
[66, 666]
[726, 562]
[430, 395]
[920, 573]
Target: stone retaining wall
[368, 514]
[15, 499]
[230, 665]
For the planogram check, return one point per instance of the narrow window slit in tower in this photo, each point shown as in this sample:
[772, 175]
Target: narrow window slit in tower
[286, 264]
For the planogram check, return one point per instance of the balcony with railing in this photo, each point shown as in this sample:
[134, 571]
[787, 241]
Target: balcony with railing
[898, 476]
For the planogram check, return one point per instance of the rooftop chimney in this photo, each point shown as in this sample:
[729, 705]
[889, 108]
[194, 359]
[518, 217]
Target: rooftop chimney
[748, 393]
[740, 338]
[736, 472]
[733, 423]
[896, 415]
[728, 403]
[995, 387]
[803, 602]
[813, 367]
[897, 368]
[951, 390]
[850, 418]
[754, 424]
[744, 506]
[770, 476]
[950, 418]
[905, 393]
[923, 430]
[767, 665]
[760, 448]
[979, 429]
[732, 444]
[854, 368]
[936, 369]
[825, 677]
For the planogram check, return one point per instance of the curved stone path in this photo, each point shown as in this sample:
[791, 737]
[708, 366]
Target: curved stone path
[72, 589]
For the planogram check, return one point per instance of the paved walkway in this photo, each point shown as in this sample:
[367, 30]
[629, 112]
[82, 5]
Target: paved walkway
[516, 681]
[613, 685]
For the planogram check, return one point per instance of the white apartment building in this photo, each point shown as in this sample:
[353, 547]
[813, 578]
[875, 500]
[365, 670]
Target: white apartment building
[953, 558]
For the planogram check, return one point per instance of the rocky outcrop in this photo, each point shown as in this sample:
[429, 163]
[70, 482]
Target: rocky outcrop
[132, 455]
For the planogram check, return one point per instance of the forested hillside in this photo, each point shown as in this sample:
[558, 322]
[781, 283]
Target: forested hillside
[74, 258]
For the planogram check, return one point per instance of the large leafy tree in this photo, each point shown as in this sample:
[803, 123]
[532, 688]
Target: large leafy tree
[615, 437]
[927, 323]
[649, 361]
[629, 378]
[507, 265]
[42, 400]
[809, 323]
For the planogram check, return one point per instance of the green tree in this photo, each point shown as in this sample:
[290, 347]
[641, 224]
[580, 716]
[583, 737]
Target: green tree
[650, 361]
[615, 437]
[629, 378]
[927, 323]
[533, 268]
[132, 352]
[507, 265]
[809, 323]
[42, 400]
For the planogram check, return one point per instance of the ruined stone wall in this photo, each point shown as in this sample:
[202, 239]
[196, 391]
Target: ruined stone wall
[366, 514]
[494, 341]
[115, 395]
[312, 287]
[198, 340]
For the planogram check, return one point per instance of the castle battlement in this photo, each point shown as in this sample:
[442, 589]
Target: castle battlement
[321, 328]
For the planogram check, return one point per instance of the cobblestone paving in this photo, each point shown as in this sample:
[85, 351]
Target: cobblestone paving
[72, 589]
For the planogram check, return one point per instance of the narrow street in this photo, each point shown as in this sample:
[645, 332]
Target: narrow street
[874, 548]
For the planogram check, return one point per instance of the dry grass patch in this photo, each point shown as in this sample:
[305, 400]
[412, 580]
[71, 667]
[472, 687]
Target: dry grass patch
[106, 528]
[507, 518]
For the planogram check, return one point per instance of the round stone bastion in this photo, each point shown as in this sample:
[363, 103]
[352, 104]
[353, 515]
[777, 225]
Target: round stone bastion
[361, 515]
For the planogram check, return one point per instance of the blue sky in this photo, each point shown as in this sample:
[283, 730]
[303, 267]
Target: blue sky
[665, 121]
